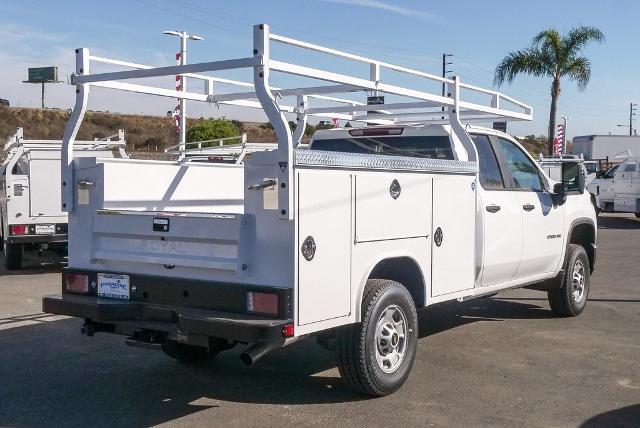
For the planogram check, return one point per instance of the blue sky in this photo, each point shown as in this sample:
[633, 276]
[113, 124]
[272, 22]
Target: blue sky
[409, 33]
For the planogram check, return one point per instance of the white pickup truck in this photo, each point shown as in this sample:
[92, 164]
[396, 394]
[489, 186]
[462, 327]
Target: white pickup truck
[344, 240]
[30, 210]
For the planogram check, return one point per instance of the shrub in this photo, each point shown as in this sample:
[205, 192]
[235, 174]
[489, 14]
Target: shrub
[211, 129]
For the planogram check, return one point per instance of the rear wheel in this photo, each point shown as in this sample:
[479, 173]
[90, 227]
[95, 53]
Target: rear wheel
[12, 255]
[376, 355]
[571, 299]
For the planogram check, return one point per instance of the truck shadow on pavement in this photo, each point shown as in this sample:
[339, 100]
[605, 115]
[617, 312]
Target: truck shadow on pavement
[32, 264]
[623, 417]
[51, 375]
[622, 223]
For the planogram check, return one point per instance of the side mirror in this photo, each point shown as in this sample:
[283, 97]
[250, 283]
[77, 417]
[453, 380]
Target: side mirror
[559, 197]
[573, 178]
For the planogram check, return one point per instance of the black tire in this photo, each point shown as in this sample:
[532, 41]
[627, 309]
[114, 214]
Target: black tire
[357, 346]
[637, 215]
[569, 301]
[12, 255]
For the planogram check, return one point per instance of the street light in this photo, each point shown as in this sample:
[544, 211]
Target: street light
[183, 105]
[631, 130]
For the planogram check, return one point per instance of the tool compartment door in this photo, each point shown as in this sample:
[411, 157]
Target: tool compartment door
[453, 234]
[324, 215]
[44, 185]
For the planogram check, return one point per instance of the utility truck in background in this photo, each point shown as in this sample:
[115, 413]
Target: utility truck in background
[30, 184]
[618, 190]
[343, 240]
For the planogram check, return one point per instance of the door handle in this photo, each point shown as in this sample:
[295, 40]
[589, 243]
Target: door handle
[493, 208]
[528, 207]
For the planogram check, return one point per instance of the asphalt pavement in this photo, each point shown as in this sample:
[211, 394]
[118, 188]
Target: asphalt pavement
[504, 361]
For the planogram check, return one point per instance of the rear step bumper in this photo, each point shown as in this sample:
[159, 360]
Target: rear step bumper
[171, 319]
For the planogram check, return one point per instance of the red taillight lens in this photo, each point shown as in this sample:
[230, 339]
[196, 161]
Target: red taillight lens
[262, 303]
[288, 330]
[76, 282]
[18, 229]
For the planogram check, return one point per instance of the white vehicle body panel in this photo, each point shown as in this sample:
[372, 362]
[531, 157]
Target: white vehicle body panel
[247, 224]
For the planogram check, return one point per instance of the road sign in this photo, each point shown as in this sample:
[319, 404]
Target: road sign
[43, 74]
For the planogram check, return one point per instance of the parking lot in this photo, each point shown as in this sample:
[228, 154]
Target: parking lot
[504, 361]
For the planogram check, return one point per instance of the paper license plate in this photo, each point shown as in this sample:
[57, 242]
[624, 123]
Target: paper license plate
[113, 286]
[45, 229]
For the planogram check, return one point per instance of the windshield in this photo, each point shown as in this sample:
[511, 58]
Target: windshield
[433, 147]
[610, 172]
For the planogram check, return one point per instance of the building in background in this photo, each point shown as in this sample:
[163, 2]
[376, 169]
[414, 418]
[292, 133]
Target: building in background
[616, 148]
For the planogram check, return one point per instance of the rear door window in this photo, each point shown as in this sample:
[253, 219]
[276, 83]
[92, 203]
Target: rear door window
[431, 147]
[490, 174]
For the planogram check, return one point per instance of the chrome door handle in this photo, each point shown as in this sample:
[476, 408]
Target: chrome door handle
[528, 207]
[493, 208]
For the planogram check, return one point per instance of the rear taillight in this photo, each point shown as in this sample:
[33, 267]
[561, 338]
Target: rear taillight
[262, 303]
[288, 330]
[18, 229]
[76, 282]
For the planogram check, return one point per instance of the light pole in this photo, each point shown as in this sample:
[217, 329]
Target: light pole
[183, 83]
[564, 140]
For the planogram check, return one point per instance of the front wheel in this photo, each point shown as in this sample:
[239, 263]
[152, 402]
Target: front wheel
[376, 355]
[12, 255]
[571, 299]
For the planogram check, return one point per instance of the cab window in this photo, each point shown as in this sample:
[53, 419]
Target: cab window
[523, 171]
[431, 147]
[490, 174]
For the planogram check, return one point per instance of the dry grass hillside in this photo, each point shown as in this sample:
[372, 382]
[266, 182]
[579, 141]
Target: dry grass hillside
[147, 133]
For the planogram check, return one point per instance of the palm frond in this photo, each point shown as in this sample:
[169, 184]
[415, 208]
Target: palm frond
[533, 61]
[579, 70]
[579, 37]
[549, 40]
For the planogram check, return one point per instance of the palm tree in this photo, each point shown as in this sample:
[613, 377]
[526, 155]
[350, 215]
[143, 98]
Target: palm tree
[552, 55]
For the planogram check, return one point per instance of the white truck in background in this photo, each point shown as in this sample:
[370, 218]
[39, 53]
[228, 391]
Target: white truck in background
[343, 240]
[30, 184]
[618, 190]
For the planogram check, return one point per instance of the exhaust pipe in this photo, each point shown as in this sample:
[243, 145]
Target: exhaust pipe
[255, 352]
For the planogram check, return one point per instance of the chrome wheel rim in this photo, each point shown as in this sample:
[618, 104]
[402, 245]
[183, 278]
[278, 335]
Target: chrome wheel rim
[578, 281]
[391, 339]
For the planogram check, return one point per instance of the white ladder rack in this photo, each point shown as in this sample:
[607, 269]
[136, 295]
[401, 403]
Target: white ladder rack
[414, 106]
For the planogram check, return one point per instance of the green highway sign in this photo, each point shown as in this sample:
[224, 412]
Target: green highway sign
[43, 74]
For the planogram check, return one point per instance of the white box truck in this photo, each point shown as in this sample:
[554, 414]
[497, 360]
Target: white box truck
[344, 240]
[30, 211]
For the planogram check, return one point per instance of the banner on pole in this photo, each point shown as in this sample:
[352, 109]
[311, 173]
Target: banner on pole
[558, 142]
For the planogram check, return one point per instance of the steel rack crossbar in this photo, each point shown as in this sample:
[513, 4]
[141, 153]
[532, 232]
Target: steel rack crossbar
[218, 148]
[416, 107]
[17, 141]
[216, 142]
